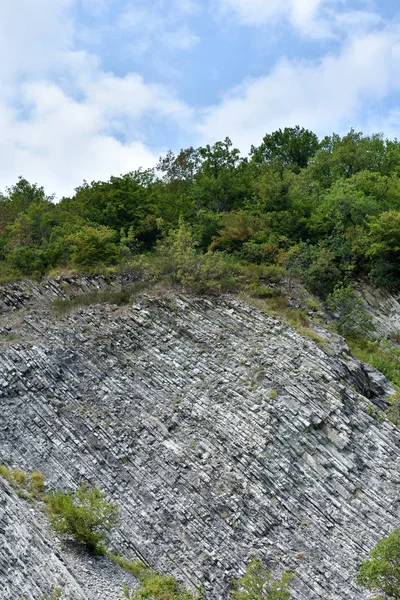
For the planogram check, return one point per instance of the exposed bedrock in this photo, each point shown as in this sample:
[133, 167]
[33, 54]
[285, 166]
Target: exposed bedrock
[221, 433]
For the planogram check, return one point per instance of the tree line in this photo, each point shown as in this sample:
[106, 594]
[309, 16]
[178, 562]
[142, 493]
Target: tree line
[325, 210]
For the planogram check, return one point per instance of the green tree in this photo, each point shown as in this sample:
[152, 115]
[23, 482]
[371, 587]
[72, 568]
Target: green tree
[352, 317]
[293, 147]
[85, 514]
[180, 259]
[381, 572]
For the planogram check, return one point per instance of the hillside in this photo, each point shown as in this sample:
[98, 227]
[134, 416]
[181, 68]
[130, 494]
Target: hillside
[221, 432]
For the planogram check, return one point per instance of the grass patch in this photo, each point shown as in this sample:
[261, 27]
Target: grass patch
[312, 335]
[379, 355]
[120, 297]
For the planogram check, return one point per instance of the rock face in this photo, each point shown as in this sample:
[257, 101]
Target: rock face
[384, 308]
[222, 434]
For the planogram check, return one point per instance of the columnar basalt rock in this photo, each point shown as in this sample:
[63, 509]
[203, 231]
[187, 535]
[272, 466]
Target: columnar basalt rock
[222, 433]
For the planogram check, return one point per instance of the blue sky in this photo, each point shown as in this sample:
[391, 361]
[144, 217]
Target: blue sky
[93, 88]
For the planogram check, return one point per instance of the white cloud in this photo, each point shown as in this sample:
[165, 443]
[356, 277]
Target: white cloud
[161, 22]
[33, 35]
[312, 18]
[258, 12]
[63, 142]
[324, 95]
[62, 118]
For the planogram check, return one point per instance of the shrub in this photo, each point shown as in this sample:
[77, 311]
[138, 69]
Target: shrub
[84, 514]
[257, 584]
[160, 587]
[352, 317]
[5, 472]
[36, 483]
[393, 411]
[153, 585]
[178, 258]
[381, 572]
[19, 477]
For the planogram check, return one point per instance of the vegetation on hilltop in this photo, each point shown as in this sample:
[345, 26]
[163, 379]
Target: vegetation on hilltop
[325, 211]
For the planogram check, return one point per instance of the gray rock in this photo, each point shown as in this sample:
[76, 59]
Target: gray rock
[167, 406]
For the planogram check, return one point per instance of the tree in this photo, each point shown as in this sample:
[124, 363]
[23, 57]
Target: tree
[381, 572]
[84, 514]
[180, 260]
[257, 584]
[352, 318]
[294, 147]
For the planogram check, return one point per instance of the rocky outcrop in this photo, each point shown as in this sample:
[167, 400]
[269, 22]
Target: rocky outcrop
[384, 308]
[222, 433]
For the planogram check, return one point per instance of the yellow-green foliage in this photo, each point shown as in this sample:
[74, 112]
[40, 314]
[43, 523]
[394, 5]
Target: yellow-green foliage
[312, 335]
[153, 585]
[134, 567]
[393, 411]
[5, 472]
[257, 584]
[179, 259]
[84, 514]
[36, 484]
[19, 477]
[378, 354]
[165, 587]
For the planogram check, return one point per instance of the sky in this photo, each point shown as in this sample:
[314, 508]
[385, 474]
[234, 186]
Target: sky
[94, 88]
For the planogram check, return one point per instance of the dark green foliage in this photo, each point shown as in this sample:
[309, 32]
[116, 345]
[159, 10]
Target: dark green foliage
[352, 318]
[85, 514]
[328, 211]
[294, 147]
[381, 572]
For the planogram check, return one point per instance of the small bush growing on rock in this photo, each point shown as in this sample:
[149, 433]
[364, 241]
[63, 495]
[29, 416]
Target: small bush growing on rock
[36, 484]
[257, 584]
[393, 410]
[5, 472]
[381, 572]
[19, 476]
[153, 585]
[84, 514]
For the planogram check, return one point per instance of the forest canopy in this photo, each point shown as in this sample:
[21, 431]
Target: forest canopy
[327, 211]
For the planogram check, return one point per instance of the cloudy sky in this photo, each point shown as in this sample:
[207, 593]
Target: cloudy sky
[93, 88]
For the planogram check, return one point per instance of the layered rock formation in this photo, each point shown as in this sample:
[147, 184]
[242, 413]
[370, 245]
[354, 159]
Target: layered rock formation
[222, 433]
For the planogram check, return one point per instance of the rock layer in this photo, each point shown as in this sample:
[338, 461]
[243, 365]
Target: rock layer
[222, 433]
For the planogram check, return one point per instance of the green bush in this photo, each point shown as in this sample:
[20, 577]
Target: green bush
[381, 572]
[393, 411]
[153, 585]
[352, 318]
[378, 354]
[5, 472]
[179, 259]
[257, 584]
[19, 477]
[84, 514]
